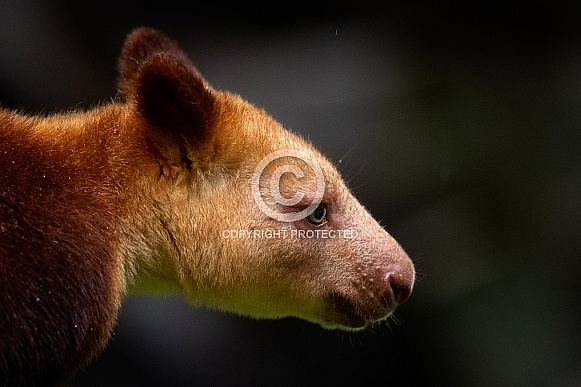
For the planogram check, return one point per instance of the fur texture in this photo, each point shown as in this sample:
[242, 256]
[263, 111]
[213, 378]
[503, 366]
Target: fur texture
[136, 195]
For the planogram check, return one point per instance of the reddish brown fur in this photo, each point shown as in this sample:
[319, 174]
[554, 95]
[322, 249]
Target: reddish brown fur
[138, 191]
[59, 284]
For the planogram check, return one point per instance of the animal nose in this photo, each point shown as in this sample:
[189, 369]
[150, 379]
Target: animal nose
[401, 287]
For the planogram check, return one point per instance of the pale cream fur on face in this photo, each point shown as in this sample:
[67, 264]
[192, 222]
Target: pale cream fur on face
[182, 245]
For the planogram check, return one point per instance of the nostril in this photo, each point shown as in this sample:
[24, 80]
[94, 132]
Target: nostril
[401, 288]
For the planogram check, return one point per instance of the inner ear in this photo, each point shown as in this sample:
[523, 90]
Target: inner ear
[176, 103]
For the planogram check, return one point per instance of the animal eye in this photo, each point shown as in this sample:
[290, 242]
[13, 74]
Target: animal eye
[317, 217]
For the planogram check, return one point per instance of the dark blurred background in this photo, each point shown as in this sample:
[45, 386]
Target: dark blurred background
[458, 126]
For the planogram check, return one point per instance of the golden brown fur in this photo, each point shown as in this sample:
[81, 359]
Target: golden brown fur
[136, 195]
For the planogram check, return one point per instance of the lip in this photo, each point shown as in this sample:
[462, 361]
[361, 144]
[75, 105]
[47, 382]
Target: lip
[355, 313]
[345, 312]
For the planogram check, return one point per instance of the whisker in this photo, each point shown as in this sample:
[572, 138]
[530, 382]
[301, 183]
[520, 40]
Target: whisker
[347, 153]
[396, 320]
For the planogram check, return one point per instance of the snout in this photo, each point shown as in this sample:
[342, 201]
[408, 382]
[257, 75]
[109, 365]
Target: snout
[372, 297]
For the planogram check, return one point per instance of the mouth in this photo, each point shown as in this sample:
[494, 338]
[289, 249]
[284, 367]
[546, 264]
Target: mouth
[367, 303]
[355, 313]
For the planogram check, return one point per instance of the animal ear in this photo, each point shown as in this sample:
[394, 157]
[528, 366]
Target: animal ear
[140, 45]
[167, 91]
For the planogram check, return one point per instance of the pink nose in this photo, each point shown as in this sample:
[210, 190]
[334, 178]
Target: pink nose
[400, 286]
